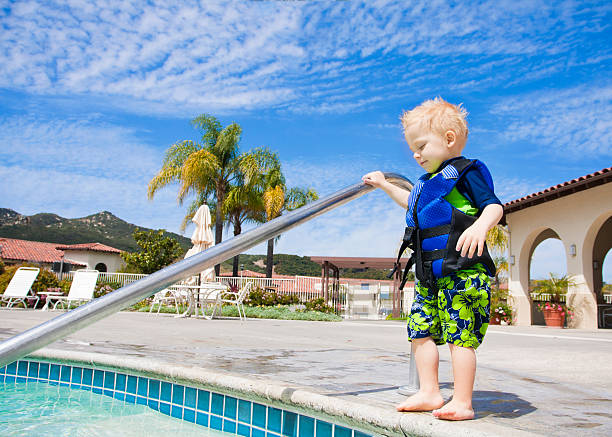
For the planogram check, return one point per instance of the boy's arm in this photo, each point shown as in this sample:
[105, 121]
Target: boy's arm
[474, 237]
[377, 179]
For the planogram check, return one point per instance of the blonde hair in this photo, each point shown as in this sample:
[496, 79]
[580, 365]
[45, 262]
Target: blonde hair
[438, 116]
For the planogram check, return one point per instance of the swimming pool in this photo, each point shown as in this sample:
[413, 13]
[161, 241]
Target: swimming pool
[188, 405]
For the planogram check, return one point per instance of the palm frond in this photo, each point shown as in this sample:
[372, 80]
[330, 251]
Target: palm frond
[199, 173]
[274, 200]
[210, 128]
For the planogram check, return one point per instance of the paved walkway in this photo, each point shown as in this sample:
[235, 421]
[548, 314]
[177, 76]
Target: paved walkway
[542, 380]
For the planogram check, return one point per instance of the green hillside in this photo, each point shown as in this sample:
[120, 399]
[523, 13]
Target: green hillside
[102, 227]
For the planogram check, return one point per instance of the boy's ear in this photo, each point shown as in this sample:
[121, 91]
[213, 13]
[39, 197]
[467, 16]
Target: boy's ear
[451, 138]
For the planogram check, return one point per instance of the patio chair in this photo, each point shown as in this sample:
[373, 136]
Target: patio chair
[164, 297]
[19, 287]
[234, 298]
[81, 289]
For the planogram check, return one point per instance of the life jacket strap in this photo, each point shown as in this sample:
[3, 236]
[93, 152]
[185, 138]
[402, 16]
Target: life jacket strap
[436, 231]
[432, 255]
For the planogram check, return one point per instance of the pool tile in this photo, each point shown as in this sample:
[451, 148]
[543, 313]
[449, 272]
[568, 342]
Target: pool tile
[97, 390]
[166, 392]
[164, 408]
[119, 396]
[54, 373]
[130, 399]
[109, 380]
[22, 368]
[141, 401]
[33, 370]
[189, 415]
[244, 411]
[3, 370]
[77, 372]
[272, 434]
[65, 374]
[120, 379]
[229, 426]
[258, 433]
[274, 419]
[259, 415]
[143, 386]
[216, 406]
[216, 423]
[153, 404]
[202, 419]
[43, 371]
[290, 421]
[11, 369]
[306, 426]
[130, 387]
[203, 400]
[177, 411]
[9, 379]
[154, 389]
[178, 392]
[98, 378]
[341, 431]
[244, 430]
[324, 429]
[190, 397]
[230, 408]
[87, 377]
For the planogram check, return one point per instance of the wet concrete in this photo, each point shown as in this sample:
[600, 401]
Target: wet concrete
[546, 381]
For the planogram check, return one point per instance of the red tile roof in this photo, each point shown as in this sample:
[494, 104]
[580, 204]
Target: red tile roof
[600, 177]
[32, 251]
[95, 247]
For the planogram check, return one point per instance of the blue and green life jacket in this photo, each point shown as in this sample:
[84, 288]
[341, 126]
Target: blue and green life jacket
[434, 224]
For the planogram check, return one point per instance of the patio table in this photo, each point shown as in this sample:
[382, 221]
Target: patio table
[202, 295]
[49, 297]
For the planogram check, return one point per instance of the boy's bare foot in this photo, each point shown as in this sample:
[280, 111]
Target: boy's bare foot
[421, 402]
[454, 411]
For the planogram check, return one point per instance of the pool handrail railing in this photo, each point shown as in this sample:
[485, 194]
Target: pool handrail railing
[61, 326]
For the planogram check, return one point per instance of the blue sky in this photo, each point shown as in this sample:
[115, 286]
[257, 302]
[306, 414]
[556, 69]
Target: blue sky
[93, 93]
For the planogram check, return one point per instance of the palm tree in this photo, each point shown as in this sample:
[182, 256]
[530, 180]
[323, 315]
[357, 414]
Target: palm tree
[554, 287]
[244, 202]
[206, 169]
[278, 199]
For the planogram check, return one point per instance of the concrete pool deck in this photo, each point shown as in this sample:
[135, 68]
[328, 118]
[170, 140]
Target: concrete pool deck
[534, 380]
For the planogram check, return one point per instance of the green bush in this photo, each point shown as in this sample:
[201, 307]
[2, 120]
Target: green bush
[1, 267]
[259, 297]
[44, 280]
[318, 304]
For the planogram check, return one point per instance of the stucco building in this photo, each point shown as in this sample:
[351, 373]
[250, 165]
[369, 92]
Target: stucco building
[579, 213]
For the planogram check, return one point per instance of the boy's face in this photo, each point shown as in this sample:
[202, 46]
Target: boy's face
[431, 149]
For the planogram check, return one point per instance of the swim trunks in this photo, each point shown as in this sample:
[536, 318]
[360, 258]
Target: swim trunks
[457, 312]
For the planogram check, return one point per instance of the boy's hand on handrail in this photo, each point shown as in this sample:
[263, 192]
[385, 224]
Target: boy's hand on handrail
[377, 180]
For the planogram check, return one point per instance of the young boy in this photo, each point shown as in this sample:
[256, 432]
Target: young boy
[449, 212]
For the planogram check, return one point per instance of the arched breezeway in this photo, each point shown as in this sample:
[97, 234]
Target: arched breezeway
[579, 213]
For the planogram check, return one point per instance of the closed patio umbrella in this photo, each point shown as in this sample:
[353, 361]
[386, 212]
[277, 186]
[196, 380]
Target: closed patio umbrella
[202, 238]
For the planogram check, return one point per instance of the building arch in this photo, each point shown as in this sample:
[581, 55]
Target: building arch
[101, 267]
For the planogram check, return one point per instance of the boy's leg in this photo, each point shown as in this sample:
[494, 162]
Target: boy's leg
[464, 372]
[428, 397]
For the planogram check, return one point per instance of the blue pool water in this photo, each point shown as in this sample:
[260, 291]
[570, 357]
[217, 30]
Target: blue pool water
[42, 398]
[39, 409]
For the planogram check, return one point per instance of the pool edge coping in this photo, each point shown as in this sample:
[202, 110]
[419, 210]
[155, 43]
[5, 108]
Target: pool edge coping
[371, 418]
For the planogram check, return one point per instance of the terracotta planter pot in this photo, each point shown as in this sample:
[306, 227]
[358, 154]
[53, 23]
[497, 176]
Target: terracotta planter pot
[554, 318]
[495, 320]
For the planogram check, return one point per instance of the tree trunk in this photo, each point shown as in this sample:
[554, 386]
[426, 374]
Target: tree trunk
[270, 258]
[237, 230]
[219, 222]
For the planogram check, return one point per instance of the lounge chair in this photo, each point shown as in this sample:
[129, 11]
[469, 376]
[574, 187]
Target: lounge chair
[81, 289]
[19, 287]
[164, 297]
[234, 298]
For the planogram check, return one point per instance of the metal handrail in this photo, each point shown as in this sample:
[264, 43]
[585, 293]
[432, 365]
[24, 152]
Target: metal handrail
[28, 341]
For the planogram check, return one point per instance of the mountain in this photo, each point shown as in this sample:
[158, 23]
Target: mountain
[103, 227]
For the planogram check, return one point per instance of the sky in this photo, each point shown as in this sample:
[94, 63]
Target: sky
[92, 94]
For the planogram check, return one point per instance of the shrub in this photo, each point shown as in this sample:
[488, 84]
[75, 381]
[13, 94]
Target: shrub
[44, 280]
[1, 267]
[318, 304]
[259, 297]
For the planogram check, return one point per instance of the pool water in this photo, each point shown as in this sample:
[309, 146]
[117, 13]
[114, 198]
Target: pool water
[40, 409]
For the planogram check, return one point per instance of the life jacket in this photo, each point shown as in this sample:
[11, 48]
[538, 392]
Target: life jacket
[434, 225]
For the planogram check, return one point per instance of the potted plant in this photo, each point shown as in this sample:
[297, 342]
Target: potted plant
[501, 312]
[552, 292]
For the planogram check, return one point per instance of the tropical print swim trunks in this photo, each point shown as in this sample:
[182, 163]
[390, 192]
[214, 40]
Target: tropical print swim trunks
[457, 312]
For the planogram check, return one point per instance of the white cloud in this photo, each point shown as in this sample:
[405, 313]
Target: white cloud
[299, 56]
[575, 121]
